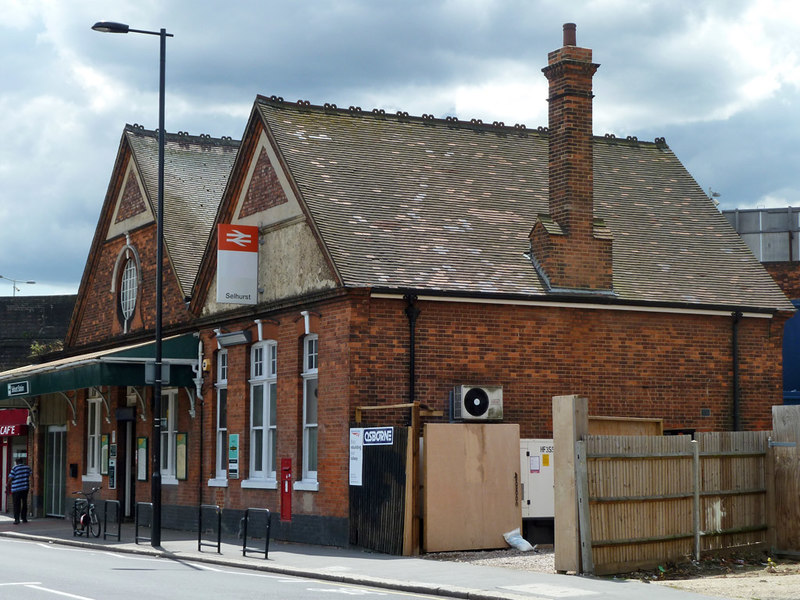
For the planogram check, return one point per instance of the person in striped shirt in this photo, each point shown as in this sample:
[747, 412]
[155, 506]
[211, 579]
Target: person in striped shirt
[18, 478]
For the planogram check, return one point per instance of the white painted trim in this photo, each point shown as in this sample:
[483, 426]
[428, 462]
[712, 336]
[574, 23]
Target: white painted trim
[260, 484]
[582, 305]
[217, 482]
[306, 485]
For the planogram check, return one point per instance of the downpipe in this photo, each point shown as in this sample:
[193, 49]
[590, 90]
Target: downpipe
[736, 319]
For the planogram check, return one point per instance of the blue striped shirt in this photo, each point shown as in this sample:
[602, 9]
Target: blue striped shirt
[18, 476]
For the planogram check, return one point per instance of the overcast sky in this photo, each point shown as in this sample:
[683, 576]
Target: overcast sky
[719, 79]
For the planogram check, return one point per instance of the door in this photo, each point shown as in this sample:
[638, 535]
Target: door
[55, 471]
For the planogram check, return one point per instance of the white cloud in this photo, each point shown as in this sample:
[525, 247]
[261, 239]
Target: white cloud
[720, 76]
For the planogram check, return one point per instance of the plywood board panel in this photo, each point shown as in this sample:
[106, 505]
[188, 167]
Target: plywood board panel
[625, 426]
[471, 485]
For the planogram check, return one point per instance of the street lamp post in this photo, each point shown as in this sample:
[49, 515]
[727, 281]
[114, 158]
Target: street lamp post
[14, 282]
[155, 485]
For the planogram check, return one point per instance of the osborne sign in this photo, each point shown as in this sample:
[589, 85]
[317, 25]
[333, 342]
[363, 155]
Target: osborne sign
[379, 436]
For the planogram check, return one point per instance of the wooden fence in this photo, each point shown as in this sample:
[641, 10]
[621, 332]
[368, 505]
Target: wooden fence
[647, 500]
[628, 502]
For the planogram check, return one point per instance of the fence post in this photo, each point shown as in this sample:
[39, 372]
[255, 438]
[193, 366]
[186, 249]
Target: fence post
[570, 424]
[584, 522]
[696, 498]
[771, 485]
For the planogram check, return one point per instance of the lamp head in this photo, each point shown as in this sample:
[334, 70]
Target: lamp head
[110, 27]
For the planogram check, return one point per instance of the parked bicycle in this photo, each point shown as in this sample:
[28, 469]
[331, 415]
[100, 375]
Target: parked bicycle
[84, 514]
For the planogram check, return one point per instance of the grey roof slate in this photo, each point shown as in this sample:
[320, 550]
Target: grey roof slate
[196, 171]
[441, 205]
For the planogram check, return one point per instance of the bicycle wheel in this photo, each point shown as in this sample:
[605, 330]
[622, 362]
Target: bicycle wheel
[94, 522]
[77, 512]
[76, 520]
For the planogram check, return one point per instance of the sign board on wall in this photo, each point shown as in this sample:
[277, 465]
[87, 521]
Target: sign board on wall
[366, 436]
[233, 456]
[356, 455]
[237, 264]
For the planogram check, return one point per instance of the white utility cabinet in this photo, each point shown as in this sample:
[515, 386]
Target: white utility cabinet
[536, 476]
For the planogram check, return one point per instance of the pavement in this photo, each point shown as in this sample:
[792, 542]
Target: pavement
[353, 566]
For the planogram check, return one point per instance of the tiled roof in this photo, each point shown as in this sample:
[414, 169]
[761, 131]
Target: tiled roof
[196, 171]
[429, 204]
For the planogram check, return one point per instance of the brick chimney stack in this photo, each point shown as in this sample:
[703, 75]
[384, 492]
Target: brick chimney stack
[570, 248]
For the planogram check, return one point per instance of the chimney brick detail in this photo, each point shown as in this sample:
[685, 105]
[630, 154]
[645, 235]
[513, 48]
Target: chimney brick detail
[570, 248]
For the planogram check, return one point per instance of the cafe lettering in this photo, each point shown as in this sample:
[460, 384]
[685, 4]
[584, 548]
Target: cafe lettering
[13, 421]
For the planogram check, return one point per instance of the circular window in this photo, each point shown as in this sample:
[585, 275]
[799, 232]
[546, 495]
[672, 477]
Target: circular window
[128, 287]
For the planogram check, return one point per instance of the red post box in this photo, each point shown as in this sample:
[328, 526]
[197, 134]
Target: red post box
[286, 489]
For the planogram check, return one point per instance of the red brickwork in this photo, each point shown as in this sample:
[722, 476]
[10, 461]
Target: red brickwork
[638, 364]
[101, 316]
[576, 259]
[331, 324]
[116, 431]
[787, 276]
[677, 367]
[265, 190]
[132, 202]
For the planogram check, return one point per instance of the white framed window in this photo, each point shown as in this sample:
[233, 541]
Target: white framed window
[310, 403]
[221, 464]
[93, 416]
[128, 289]
[169, 435]
[263, 413]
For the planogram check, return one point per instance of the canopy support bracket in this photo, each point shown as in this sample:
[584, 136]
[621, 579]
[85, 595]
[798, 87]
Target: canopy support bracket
[141, 402]
[191, 394]
[72, 406]
[31, 411]
[105, 402]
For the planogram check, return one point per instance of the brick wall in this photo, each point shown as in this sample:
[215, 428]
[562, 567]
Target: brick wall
[330, 321]
[677, 367]
[787, 276]
[265, 190]
[101, 317]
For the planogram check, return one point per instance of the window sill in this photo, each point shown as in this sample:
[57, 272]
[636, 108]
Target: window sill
[306, 485]
[217, 482]
[260, 484]
[92, 478]
[168, 480]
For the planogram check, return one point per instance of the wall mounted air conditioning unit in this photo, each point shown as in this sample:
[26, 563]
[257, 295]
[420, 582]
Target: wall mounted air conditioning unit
[477, 403]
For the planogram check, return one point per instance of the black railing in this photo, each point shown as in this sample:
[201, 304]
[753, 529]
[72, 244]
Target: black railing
[218, 526]
[267, 518]
[106, 505]
[138, 520]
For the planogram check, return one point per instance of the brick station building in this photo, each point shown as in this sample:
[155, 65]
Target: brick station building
[398, 257]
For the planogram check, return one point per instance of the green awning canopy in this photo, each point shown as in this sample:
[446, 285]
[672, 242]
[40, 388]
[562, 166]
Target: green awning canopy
[119, 366]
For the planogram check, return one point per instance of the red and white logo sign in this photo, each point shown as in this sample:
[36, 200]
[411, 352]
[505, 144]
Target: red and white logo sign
[237, 264]
[238, 238]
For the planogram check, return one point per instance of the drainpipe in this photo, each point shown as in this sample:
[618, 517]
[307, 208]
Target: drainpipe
[737, 317]
[201, 399]
[412, 312]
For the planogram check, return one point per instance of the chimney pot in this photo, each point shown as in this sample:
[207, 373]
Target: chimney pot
[569, 34]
